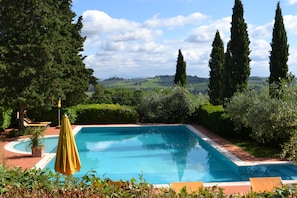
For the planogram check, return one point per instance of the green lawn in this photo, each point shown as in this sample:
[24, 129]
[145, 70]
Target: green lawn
[256, 149]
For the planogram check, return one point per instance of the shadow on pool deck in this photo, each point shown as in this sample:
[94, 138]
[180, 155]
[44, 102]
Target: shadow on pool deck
[26, 161]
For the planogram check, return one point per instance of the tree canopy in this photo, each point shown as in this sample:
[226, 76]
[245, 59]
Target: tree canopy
[41, 59]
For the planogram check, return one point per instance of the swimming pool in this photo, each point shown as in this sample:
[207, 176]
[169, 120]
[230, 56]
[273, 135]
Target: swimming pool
[161, 154]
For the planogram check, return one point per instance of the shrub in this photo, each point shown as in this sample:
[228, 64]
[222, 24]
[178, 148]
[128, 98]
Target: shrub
[151, 109]
[43, 183]
[270, 119]
[101, 113]
[176, 107]
[5, 118]
[214, 118]
[122, 96]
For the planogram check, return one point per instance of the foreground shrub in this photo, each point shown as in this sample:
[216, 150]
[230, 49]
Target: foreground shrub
[37, 183]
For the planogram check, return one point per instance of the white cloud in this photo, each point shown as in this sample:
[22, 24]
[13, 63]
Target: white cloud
[137, 34]
[292, 2]
[260, 50]
[290, 23]
[123, 48]
[206, 33]
[96, 22]
[292, 62]
[261, 32]
[194, 18]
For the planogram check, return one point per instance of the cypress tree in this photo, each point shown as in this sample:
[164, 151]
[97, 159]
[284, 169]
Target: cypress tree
[227, 85]
[239, 50]
[279, 53]
[216, 64]
[180, 75]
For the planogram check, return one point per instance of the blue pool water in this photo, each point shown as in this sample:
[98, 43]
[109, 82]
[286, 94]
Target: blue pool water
[161, 154]
[49, 142]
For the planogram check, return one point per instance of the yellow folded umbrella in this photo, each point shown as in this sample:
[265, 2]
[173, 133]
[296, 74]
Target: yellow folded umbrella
[67, 158]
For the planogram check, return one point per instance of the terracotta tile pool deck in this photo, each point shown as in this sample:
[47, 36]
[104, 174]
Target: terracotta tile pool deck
[26, 161]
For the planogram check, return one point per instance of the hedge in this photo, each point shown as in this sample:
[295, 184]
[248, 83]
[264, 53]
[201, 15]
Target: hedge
[101, 114]
[215, 119]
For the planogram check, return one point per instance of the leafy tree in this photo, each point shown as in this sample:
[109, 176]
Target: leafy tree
[99, 96]
[289, 149]
[216, 64]
[40, 55]
[239, 50]
[172, 108]
[120, 96]
[180, 75]
[271, 119]
[279, 53]
[5, 118]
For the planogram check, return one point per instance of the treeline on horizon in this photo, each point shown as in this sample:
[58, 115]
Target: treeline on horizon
[195, 84]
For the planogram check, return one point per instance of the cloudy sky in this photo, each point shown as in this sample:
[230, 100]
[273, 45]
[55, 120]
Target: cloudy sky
[141, 38]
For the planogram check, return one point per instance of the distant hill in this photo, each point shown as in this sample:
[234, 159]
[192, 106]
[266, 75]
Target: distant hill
[195, 84]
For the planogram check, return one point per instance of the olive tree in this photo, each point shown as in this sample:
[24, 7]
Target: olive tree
[270, 119]
[175, 107]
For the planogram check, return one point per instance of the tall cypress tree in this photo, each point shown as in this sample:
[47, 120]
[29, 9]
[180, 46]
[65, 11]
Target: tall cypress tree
[239, 50]
[39, 48]
[227, 85]
[180, 75]
[216, 64]
[279, 52]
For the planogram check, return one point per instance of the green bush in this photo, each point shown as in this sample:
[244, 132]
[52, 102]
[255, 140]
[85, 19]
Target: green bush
[175, 107]
[101, 113]
[122, 96]
[5, 118]
[71, 113]
[86, 114]
[44, 183]
[214, 118]
[272, 120]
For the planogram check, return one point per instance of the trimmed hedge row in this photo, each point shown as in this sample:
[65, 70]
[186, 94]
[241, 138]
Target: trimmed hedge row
[80, 114]
[101, 114]
[215, 119]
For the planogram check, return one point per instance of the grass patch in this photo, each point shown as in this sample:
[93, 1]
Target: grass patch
[256, 149]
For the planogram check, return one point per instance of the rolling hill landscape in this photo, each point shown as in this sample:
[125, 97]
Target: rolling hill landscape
[195, 84]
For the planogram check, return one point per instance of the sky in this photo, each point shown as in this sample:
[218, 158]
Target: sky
[141, 38]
